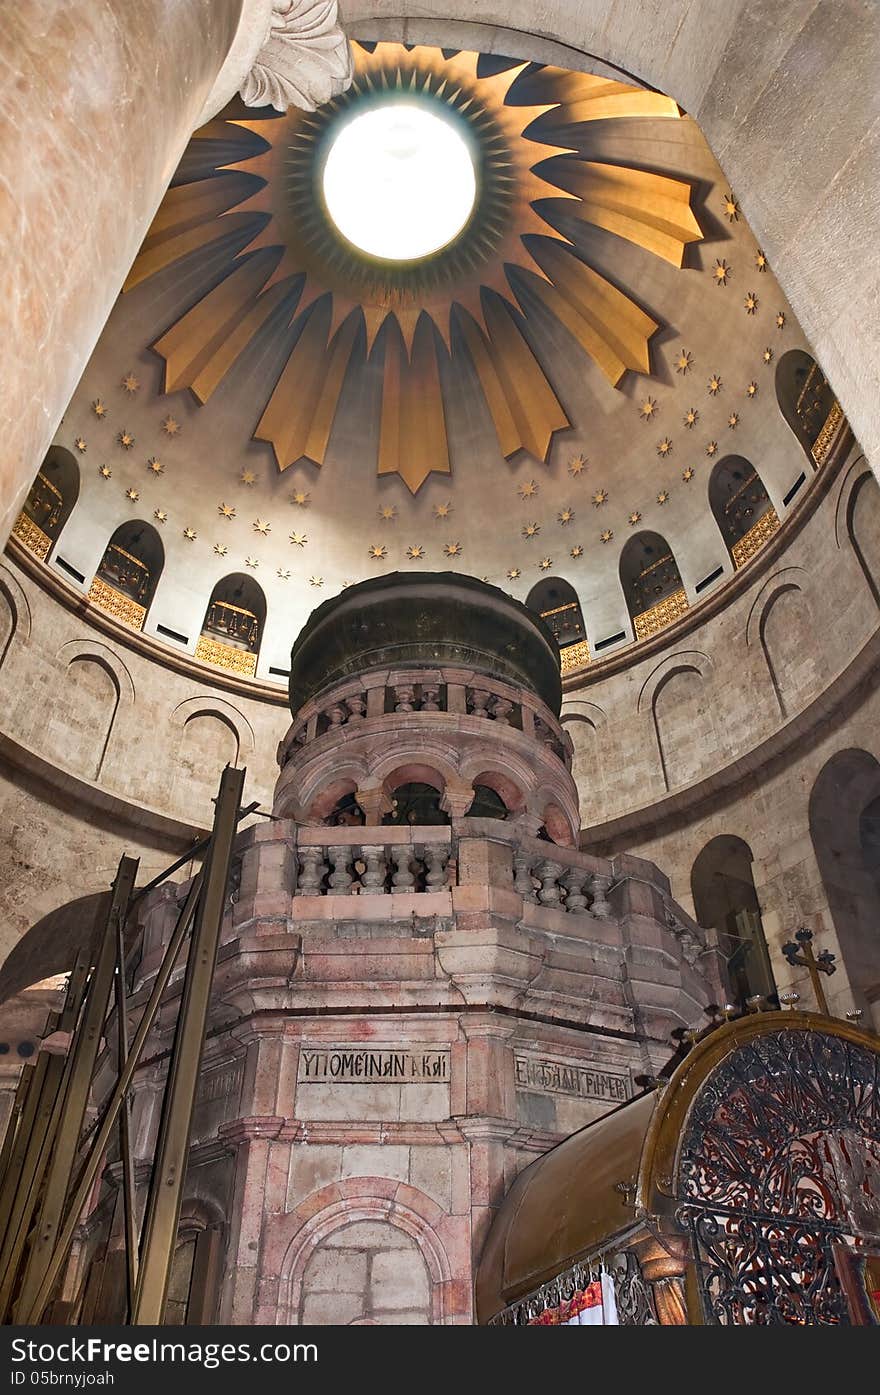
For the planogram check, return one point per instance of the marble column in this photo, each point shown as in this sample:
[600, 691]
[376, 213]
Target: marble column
[98, 99]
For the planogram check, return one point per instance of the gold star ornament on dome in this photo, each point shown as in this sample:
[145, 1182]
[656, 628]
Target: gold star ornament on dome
[301, 498]
[531, 530]
[125, 439]
[691, 417]
[721, 271]
[260, 177]
[711, 447]
[130, 383]
[606, 535]
[600, 498]
[750, 303]
[545, 564]
[664, 447]
[160, 516]
[760, 260]
[171, 426]
[226, 510]
[731, 208]
[634, 518]
[298, 539]
[316, 581]
[261, 526]
[452, 549]
[190, 534]
[283, 573]
[388, 513]
[80, 444]
[377, 551]
[513, 573]
[528, 490]
[663, 496]
[684, 361]
[565, 516]
[767, 355]
[98, 408]
[133, 495]
[688, 474]
[752, 389]
[442, 510]
[648, 409]
[577, 551]
[577, 465]
[248, 477]
[155, 466]
[252, 562]
[105, 472]
[221, 549]
[714, 385]
[780, 320]
[416, 552]
[733, 420]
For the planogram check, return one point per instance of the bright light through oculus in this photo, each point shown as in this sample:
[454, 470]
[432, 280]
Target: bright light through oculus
[399, 182]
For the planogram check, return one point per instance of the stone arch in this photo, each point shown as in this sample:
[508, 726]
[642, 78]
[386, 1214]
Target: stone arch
[377, 1200]
[83, 718]
[557, 603]
[15, 613]
[846, 790]
[49, 503]
[726, 900]
[741, 507]
[805, 398]
[557, 813]
[128, 573]
[583, 721]
[333, 775]
[651, 583]
[781, 623]
[503, 771]
[438, 759]
[51, 944]
[858, 517]
[221, 710]
[234, 624]
[675, 694]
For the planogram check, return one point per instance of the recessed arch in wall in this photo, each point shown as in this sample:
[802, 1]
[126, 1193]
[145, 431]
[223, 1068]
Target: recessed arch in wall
[741, 507]
[844, 816]
[15, 613]
[557, 603]
[49, 502]
[857, 518]
[807, 402]
[725, 900]
[83, 715]
[651, 582]
[128, 573]
[781, 623]
[234, 623]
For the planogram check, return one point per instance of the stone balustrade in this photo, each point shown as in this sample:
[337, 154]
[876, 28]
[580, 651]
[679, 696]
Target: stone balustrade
[380, 695]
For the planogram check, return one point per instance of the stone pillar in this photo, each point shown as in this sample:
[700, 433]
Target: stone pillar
[98, 99]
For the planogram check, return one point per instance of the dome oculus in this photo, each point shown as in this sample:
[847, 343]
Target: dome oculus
[399, 182]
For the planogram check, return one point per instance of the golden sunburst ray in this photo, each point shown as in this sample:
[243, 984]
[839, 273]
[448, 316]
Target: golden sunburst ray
[261, 189]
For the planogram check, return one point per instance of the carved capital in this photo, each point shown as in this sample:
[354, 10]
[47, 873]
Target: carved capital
[304, 60]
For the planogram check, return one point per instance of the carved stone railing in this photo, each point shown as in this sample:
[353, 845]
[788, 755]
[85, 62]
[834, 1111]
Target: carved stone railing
[342, 865]
[426, 692]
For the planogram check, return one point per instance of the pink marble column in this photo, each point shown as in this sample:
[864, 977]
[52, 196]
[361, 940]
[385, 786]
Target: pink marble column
[98, 99]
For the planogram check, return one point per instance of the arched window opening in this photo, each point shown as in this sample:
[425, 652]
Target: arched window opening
[416, 803]
[48, 505]
[652, 584]
[128, 573]
[347, 813]
[806, 400]
[557, 604]
[742, 508]
[487, 804]
[845, 832]
[233, 625]
[725, 900]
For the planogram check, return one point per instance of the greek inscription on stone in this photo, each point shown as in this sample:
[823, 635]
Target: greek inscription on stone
[585, 1082]
[354, 1066]
[219, 1084]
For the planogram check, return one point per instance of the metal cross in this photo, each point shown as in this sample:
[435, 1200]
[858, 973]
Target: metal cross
[824, 963]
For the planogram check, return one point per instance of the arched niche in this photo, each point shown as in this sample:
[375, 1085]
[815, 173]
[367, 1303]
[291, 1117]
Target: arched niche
[556, 601]
[49, 502]
[806, 400]
[128, 573]
[844, 816]
[232, 629]
[367, 1272]
[652, 584]
[741, 507]
[725, 900]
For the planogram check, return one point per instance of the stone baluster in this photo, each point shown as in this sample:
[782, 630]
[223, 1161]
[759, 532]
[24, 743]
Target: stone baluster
[430, 697]
[301, 736]
[436, 857]
[549, 873]
[356, 706]
[599, 885]
[404, 878]
[544, 734]
[477, 701]
[522, 876]
[341, 877]
[312, 872]
[501, 710]
[573, 881]
[373, 879]
[404, 694]
[336, 715]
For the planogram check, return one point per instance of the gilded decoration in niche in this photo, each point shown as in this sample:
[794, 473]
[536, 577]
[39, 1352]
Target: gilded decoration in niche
[211, 651]
[543, 146]
[752, 541]
[822, 445]
[114, 603]
[658, 616]
[574, 656]
[32, 536]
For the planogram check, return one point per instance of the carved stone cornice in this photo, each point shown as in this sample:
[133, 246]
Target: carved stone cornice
[286, 53]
